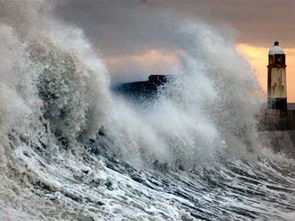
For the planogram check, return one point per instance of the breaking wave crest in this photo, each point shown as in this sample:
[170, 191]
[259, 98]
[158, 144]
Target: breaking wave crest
[71, 149]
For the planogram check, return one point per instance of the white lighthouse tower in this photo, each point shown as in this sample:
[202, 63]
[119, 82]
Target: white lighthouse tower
[276, 84]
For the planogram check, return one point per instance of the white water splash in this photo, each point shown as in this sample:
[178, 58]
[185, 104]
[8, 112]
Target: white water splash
[55, 95]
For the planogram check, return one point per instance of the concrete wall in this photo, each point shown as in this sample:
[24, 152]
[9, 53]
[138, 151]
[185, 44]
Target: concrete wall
[271, 119]
[279, 141]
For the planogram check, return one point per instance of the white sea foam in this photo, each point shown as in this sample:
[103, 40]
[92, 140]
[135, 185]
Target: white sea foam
[54, 95]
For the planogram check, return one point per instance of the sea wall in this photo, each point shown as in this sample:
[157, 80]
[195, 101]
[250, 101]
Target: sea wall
[271, 119]
[277, 129]
[279, 141]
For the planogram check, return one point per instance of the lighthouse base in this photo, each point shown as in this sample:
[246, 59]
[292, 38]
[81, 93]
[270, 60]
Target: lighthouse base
[277, 120]
[277, 103]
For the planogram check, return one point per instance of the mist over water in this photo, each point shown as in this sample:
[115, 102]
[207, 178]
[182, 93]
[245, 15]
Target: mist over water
[207, 109]
[72, 149]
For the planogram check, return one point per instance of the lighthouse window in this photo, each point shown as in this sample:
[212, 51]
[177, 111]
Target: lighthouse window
[278, 60]
[271, 58]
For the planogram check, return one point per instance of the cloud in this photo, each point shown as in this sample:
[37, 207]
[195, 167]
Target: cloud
[121, 27]
[137, 23]
[135, 27]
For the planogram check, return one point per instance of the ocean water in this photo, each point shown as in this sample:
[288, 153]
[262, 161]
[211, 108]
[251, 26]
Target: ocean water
[72, 149]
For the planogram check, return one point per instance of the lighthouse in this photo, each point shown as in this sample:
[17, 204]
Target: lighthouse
[276, 83]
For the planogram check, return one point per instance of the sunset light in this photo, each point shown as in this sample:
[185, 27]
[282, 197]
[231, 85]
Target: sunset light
[258, 58]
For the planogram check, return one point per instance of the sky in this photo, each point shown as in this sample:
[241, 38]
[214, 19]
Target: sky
[136, 35]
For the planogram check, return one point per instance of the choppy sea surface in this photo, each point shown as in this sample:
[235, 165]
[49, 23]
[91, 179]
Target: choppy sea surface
[72, 149]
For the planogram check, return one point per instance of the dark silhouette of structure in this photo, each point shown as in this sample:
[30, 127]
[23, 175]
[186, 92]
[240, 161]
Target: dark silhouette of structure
[143, 90]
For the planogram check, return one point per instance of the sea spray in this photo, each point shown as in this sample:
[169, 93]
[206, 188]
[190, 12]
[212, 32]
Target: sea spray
[39, 121]
[71, 87]
[167, 161]
[211, 104]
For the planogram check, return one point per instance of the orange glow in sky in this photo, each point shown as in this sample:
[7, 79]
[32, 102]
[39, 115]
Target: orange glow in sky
[150, 61]
[258, 58]
[157, 60]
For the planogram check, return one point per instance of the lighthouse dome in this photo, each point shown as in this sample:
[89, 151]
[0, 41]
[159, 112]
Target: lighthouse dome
[276, 49]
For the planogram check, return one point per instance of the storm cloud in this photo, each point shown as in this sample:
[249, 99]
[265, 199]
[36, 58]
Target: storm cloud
[119, 28]
[129, 24]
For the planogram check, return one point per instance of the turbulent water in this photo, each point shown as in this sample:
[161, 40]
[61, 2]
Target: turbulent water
[71, 149]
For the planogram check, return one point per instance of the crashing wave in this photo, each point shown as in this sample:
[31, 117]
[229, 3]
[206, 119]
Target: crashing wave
[72, 150]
